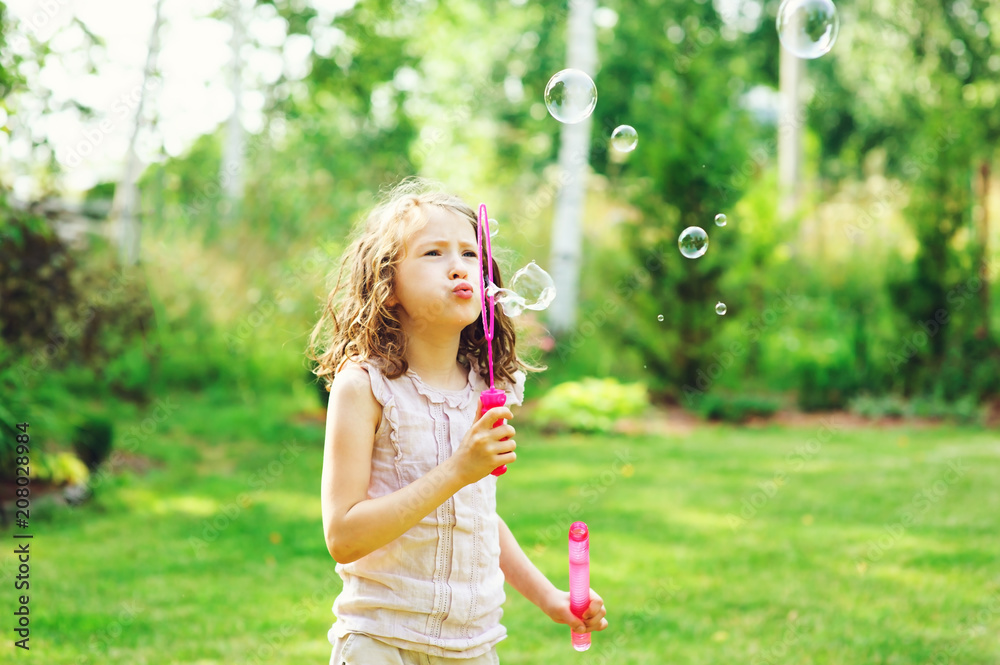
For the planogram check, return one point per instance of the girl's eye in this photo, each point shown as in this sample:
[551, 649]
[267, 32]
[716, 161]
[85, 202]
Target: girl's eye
[433, 251]
[471, 253]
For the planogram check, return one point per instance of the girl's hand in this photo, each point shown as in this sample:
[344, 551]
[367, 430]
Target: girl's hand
[557, 608]
[482, 450]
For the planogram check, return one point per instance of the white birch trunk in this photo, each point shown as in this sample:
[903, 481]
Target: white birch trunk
[231, 177]
[790, 124]
[574, 158]
[126, 202]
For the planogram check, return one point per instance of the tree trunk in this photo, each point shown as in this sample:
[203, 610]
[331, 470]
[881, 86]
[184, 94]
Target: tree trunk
[231, 170]
[126, 202]
[574, 158]
[984, 244]
[789, 133]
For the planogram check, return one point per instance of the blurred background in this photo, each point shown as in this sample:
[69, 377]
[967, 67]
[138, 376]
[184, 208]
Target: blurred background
[177, 183]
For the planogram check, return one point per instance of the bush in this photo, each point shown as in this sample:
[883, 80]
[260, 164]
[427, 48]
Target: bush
[878, 406]
[589, 405]
[825, 385]
[59, 469]
[737, 409]
[965, 410]
[92, 441]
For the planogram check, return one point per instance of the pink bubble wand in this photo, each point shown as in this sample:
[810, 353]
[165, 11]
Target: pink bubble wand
[579, 579]
[492, 397]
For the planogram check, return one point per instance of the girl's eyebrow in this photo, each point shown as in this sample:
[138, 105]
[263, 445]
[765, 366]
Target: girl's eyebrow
[441, 241]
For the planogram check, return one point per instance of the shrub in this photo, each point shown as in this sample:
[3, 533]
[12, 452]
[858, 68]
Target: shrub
[825, 385]
[736, 409]
[59, 469]
[878, 406]
[92, 441]
[589, 405]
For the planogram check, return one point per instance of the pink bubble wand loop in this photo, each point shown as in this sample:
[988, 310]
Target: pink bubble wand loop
[579, 579]
[492, 397]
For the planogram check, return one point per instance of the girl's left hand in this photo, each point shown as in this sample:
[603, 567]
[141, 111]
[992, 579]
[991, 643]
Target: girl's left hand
[557, 608]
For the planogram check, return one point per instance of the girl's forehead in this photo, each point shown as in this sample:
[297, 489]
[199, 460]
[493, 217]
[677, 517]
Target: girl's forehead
[442, 223]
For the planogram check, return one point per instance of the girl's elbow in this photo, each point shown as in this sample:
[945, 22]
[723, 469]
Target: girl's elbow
[341, 551]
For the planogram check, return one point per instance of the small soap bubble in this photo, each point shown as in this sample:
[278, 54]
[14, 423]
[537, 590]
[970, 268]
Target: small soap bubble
[659, 317]
[624, 138]
[807, 28]
[693, 242]
[720, 308]
[720, 220]
[570, 96]
[494, 227]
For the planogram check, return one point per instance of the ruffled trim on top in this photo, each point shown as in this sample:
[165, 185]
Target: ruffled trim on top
[515, 394]
[456, 399]
[388, 401]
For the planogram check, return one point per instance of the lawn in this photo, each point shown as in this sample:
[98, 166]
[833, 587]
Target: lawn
[725, 545]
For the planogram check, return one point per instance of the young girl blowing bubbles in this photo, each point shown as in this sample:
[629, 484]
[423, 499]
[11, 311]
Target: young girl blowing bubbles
[409, 505]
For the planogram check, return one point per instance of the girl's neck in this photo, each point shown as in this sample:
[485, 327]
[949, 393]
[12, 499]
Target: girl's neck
[436, 364]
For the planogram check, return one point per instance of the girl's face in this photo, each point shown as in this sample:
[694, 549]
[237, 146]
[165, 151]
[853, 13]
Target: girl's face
[438, 282]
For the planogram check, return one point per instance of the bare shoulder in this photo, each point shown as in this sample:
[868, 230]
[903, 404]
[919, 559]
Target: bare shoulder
[351, 394]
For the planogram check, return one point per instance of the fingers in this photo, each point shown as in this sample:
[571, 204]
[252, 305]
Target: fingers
[497, 413]
[593, 617]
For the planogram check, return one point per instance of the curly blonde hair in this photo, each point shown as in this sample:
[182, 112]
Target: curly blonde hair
[364, 327]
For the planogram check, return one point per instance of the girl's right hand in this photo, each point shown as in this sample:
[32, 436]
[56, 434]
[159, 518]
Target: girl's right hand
[482, 450]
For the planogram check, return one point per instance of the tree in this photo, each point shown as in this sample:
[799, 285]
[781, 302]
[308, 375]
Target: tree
[126, 203]
[574, 151]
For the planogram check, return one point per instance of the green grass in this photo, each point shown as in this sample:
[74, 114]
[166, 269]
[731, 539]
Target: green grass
[125, 579]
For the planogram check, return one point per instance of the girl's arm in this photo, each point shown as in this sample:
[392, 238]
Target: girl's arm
[355, 525]
[533, 585]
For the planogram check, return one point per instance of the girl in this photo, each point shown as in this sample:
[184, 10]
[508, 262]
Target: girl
[409, 505]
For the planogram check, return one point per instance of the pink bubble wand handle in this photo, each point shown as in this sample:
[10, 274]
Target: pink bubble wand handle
[489, 399]
[579, 579]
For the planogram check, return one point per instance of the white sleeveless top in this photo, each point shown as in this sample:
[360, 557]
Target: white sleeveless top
[438, 588]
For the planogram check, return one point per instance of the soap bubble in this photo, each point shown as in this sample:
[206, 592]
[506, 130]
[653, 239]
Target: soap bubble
[570, 96]
[531, 288]
[720, 220]
[693, 242]
[494, 227]
[624, 138]
[808, 28]
[720, 308]
[659, 317]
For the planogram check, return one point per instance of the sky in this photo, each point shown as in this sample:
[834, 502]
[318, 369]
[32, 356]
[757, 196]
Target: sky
[191, 96]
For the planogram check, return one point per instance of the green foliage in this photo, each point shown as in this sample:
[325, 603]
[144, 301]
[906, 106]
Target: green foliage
[61, 468]
[966, 410]
[589, 405]
[878, 406]
[736, 409]
[35, 267]
[825, 385]
[92, 440]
